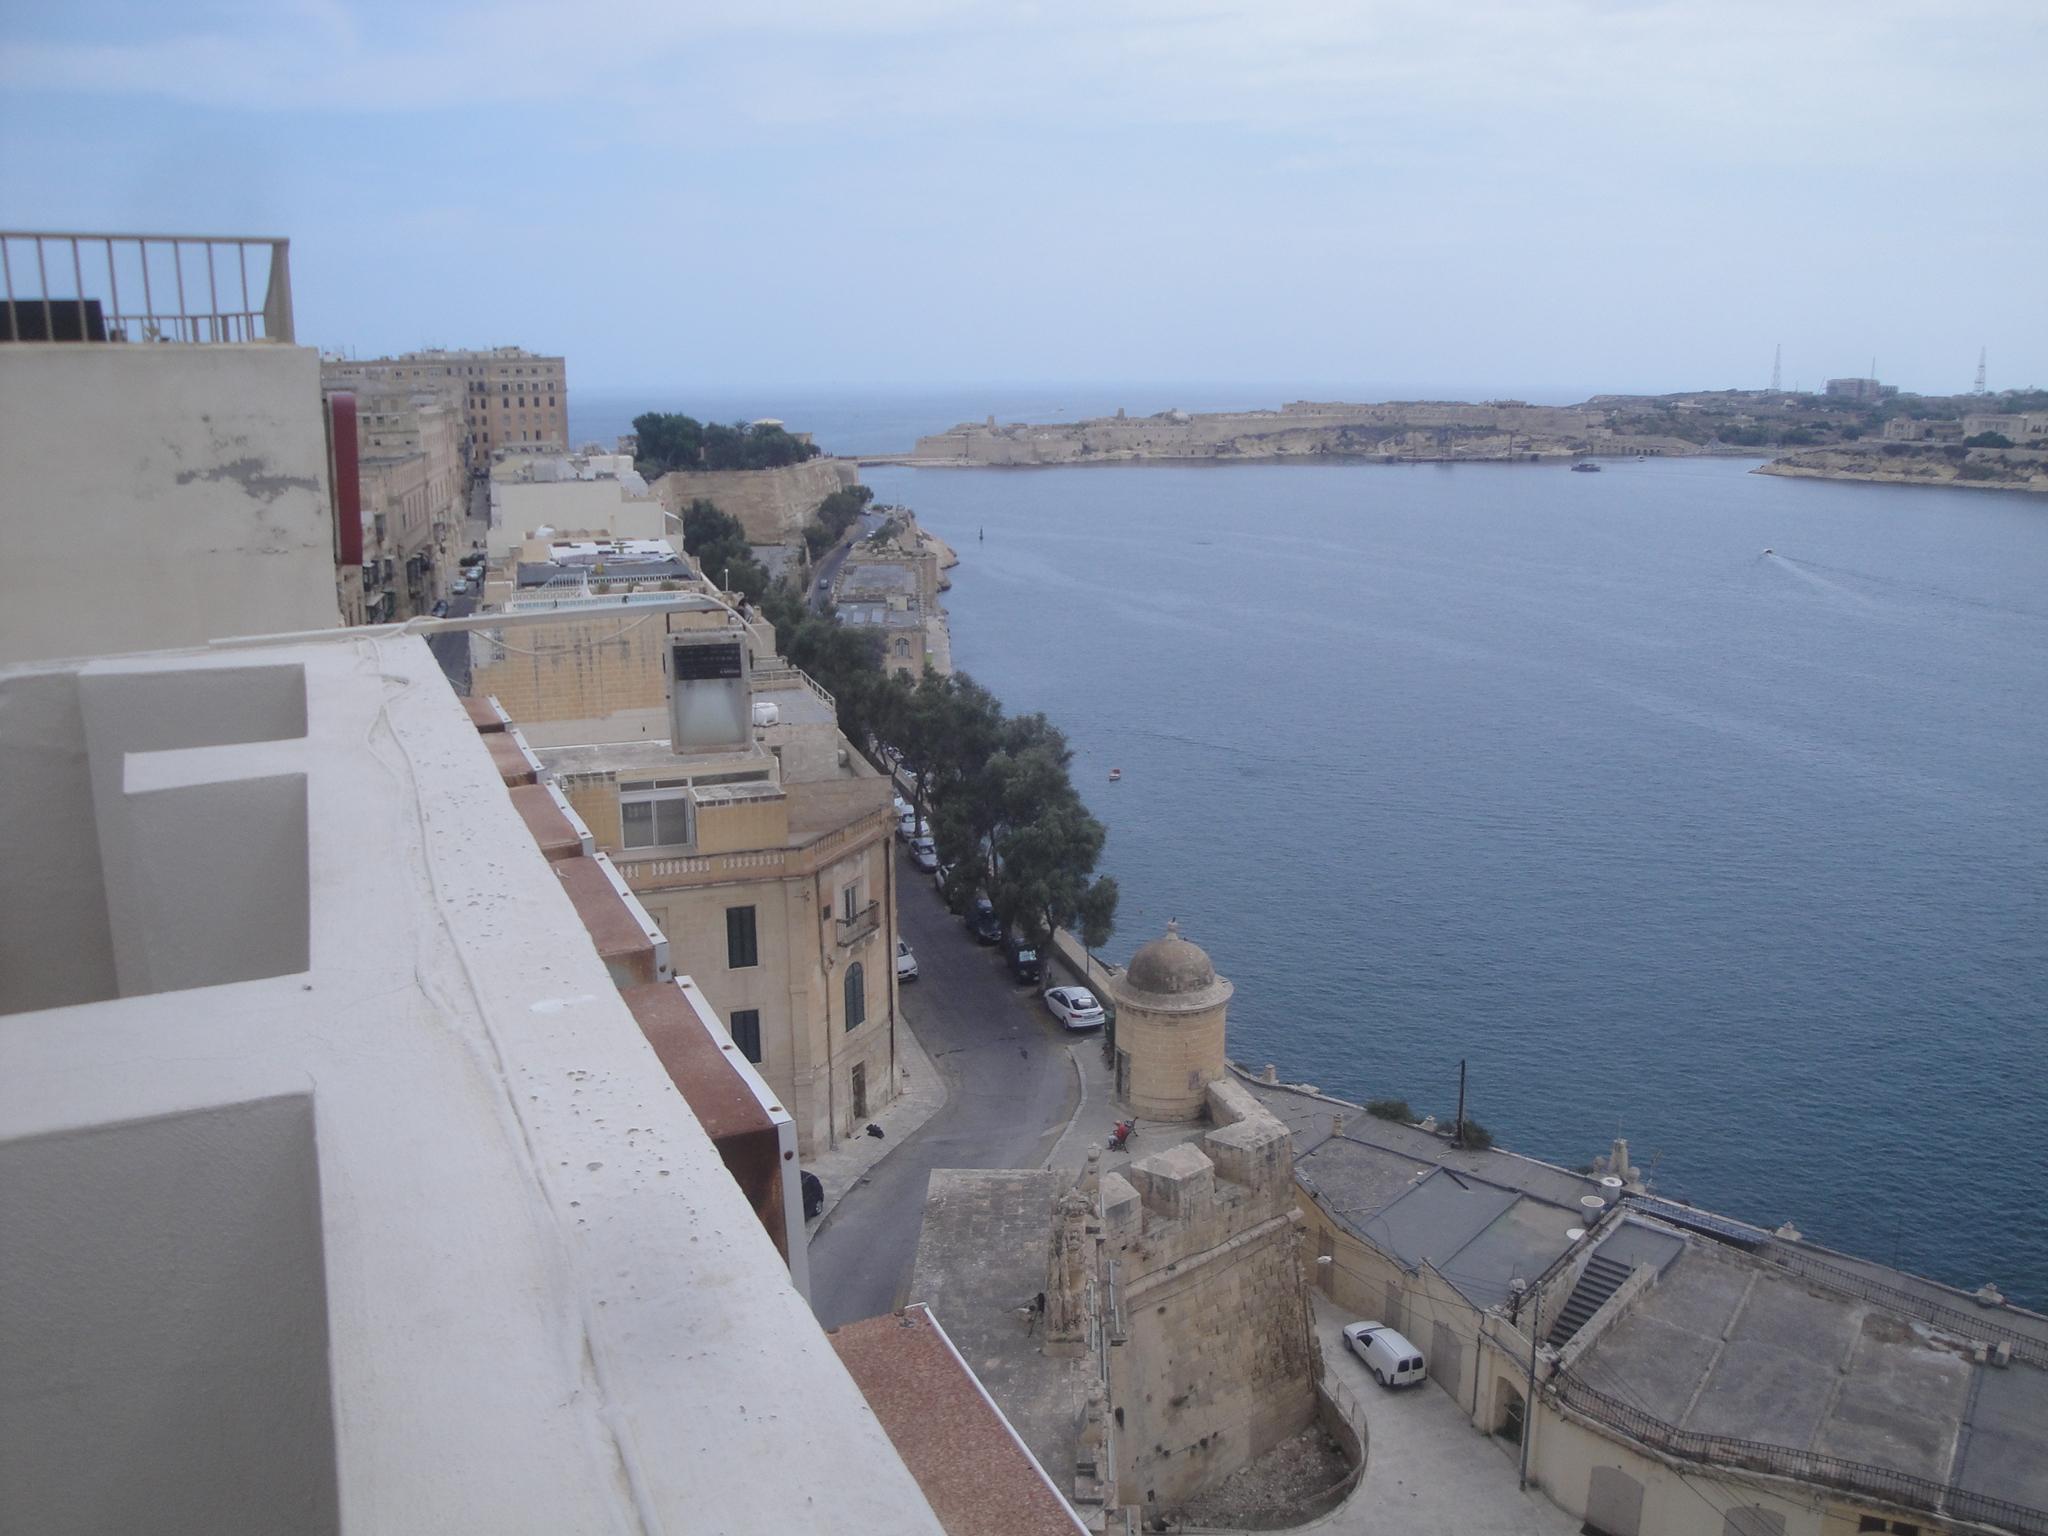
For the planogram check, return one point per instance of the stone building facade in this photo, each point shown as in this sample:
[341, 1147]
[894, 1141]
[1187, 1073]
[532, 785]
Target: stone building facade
[765, 861]
[1200, 1249]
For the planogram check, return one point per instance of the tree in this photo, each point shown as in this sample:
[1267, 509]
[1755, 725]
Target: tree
[720, 548]
[670, 441]
[835, 514]
[1096, 914]
[1988, 440]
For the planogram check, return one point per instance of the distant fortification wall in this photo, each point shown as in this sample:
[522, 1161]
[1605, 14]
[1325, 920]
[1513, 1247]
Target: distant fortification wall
[771, 504]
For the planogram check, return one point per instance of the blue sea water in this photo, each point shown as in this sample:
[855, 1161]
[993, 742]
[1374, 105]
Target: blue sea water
[1742, 855]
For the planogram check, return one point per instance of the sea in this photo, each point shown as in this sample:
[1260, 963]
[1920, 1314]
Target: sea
[1676, 802]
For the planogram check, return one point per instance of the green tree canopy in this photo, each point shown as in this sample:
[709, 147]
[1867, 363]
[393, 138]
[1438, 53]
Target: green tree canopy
[672, 441]
[719, 545]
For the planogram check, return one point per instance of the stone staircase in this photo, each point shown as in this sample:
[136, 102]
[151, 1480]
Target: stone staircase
[1601, 1278]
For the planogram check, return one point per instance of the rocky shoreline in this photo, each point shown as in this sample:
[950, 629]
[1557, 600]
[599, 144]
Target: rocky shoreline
[1982, 469]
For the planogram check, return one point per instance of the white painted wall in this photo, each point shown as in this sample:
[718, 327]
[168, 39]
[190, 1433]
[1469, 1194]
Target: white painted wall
[590, 506]
[161, 496]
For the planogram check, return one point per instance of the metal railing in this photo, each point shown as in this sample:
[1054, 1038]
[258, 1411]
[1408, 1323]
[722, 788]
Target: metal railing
[1965, 1325]
[1851, 1477]
[144, 288]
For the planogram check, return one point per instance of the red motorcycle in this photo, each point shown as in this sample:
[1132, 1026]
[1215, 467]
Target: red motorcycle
[1125, 1129]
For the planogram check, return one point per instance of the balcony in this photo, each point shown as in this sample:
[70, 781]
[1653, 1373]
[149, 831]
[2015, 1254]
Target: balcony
[194, 289]
[857, 927]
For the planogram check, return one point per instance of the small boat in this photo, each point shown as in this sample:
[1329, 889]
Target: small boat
[1115, 774]
[1585, 467]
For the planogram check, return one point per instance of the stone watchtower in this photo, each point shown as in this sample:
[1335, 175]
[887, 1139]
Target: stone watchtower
[1170, 1005]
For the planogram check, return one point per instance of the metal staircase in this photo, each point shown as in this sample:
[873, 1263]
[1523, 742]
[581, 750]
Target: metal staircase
[1601, 1278]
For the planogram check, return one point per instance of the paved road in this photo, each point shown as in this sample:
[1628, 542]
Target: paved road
[828, 568]
[1009, 1085]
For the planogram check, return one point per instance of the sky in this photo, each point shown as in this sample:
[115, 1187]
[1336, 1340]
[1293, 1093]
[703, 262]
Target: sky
[1540, 196]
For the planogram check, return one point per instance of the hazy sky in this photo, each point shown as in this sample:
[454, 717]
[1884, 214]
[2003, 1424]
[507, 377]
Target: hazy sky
[1499, 193]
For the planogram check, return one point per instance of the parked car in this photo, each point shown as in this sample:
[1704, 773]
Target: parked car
[906, 962]
[903, 807]
[1075, 1007]
[1393, 1361]
[924, 853]
[459, 587]
[910, 827]
[1023, 957]
[982, 921]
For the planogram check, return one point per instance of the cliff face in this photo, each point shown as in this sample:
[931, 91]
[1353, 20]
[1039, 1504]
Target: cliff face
[1994, 469]
[772, 505]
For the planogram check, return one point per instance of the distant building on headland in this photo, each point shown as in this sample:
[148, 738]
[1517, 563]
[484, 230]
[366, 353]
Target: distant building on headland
[1860, 389]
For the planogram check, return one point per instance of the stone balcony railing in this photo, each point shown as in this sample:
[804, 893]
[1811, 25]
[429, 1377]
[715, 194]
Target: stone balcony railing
[857, 927]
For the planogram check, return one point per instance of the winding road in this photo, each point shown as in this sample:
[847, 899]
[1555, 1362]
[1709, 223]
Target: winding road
[1010, 1088]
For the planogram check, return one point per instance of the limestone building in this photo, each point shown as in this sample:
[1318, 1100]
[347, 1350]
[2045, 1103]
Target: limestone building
[512, 399]
[1666, 1369]
[715, 777]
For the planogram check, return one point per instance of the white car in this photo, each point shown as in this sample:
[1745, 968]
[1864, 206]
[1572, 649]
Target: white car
[906, 962]
[924, 853]
[1075, 1007]
[1393, 1361]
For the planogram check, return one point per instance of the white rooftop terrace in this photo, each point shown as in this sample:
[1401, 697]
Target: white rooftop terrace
[341, 1190]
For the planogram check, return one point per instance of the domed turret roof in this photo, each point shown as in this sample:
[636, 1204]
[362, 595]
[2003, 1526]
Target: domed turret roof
[1170, 966]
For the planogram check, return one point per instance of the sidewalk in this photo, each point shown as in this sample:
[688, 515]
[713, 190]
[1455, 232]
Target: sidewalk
[919, 1095]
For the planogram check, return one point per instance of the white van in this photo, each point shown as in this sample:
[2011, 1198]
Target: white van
[1393, 1361]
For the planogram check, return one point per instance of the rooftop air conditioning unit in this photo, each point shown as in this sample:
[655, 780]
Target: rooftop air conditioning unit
[710, 690]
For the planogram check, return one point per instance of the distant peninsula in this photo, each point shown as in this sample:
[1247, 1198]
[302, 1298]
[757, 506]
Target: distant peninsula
[1857, 429]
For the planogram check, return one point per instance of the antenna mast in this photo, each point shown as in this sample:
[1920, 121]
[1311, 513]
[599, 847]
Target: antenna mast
[1980, 373]
[1778, 368]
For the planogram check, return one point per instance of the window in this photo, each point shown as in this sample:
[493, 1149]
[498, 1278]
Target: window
[652, 818]
[849, 902]
[741, 947]
[746, 1033]
[856, 996]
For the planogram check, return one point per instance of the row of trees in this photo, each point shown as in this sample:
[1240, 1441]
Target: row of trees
[1002, 804]
[672, 441]
[836, 513]
[996, 789]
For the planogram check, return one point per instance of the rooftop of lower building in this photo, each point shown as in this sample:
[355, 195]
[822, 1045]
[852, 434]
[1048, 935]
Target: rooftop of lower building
[1737, 1335]
[980, 1477]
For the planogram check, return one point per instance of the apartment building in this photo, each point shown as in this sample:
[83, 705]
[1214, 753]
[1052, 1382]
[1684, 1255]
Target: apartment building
[714, 776]
[412, 453]
[514, 400]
